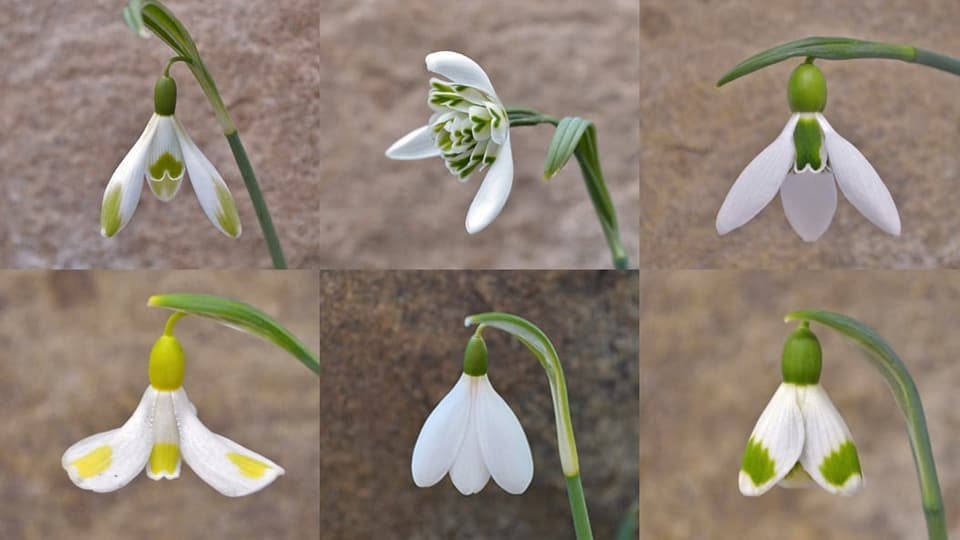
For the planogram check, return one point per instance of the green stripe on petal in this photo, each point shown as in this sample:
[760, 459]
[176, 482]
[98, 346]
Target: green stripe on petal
[808, 140]
[757, 463]
[841, 464]
[110, 219]
[227, 215]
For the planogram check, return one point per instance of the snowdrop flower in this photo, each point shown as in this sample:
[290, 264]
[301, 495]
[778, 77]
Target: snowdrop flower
[473, 435]
[164, 428]
[802, 164]
[162, 155]
[469, 128]
[800, 436]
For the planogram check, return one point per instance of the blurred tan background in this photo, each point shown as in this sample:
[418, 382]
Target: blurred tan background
[76, 346]
[711, 361]
[697, 138]
[77, 92]
[394, 343]
[565, 57]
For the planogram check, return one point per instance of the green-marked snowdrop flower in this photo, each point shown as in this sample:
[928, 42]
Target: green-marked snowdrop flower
[472, 434]
[805, 164]
[469, 129]
[800, 435]
[164, 427]
[162, 155]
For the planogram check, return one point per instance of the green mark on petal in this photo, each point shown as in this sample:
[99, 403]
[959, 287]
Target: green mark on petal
[227, 215]
[110, 212]
[757, 463]
[808, 140]
[841, 464]
[166, 164]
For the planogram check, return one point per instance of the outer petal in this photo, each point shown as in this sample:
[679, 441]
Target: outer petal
[506, 451]
[859, 182]
[442, 435]
[418, 144]
[829, 454]
[460, 69]
[469, 474]
[110, 460]
[122, 195]
[809, 201]
[164, 168]
[493, 192]
[228, 467]
[211, 190]
[758, 183]
[775, 444]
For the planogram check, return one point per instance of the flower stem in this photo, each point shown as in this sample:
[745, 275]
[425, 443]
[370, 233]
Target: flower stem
[841, 48]
[172, 322]
[540, 345]
[589, 159]
[259, 204]
[905, 392]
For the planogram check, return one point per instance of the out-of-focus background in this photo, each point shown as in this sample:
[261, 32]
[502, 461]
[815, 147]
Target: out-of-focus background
[77, 89]
[395, 348]
[76, 346]
[697, 138]
[565, 57]
[711, 361]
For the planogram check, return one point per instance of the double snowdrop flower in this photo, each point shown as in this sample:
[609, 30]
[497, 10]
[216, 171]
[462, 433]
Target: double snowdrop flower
[472, 434]
[805, 164]
[163, 429]
[162, 155]
[469, 129]
[800, 437]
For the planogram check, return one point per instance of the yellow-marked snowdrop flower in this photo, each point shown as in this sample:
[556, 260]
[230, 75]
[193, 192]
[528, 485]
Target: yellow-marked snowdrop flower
[162, 155]
[805, 164]
[800, 435]
[473, 435]
[470, 129]
[163, 429]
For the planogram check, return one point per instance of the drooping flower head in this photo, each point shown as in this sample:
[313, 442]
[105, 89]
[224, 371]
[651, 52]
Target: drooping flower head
[806, 163]
[469, 129]
[800, 437]
[163, 430]
[472, 434]
[162, 156]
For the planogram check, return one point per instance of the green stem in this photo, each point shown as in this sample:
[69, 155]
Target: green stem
[886, 361]
[578, 508]
[630, 524]
[589, 160]
[259, 204]
[841, 48]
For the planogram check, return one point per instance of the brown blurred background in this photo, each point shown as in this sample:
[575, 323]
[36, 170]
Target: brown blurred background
[77, 91]
[394, 347]
[76, 349]
[697, 138]
[711, 361]
[565, 57]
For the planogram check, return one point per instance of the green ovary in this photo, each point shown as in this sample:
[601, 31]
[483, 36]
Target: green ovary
[808, 140]
[841, 464]
[757, 463]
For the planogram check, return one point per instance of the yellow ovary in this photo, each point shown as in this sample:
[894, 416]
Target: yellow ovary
[94, 462]
[164, 458]
[249, 467]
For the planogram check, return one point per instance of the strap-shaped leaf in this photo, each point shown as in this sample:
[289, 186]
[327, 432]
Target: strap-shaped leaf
[239, 316]
[565, 140]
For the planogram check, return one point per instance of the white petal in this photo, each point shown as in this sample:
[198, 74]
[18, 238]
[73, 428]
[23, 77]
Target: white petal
[460, 69]
[165, 185]
[506, 451]
[759, 182]
[442, 435]
[777, 437]
[128, 179]
[859, 182]
[166, 439]
[229, 468]
[493, 192]
[469, 474]
[211, 190]
[110, 460]
[418, 144]
[809, 201]
[827, 434]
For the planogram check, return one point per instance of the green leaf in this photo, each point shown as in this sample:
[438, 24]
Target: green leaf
[565, 140]
[238, 316]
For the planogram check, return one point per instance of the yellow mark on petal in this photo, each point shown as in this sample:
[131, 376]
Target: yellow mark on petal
[94, 462]
[249, 467]
[110, 212]
[227, 215]
[164, 458]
